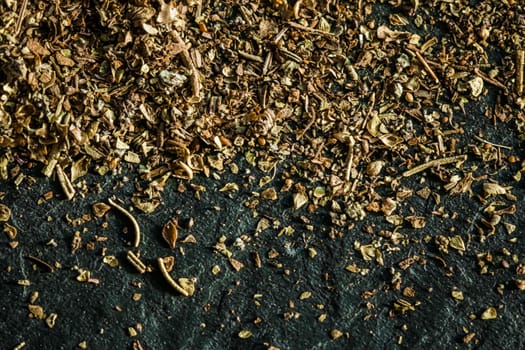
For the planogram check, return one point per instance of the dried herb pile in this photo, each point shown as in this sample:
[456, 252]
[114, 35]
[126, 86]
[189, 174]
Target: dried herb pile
[181, 88]
[348, 101]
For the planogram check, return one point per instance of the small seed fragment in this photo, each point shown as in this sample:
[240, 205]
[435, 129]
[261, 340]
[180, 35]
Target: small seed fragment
[468, 338]
[236, 264]
[111, 260]
[374, 168]
[269, 193]
[51, 320]
[100, 209]
[36, 311]
[520, 284]
[489, 314]
[336, 334]
[299, 199]
[244, 334]
[5, 212]
[305, 295]
[457, 294]
[215, 270]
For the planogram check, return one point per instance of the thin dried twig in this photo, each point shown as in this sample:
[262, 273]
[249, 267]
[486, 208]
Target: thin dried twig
[308, 29]
[350, 158]
[310, 122]
[250, 57]
[170, 280]
[267, 63]
[489, 79]
[424, 62]
[291, 55]
[491, 143]
[308, 126]
[134, 222]
[21, 16]
[433, 163]
[520, 64]
[136, 262]
[186, 58]
[41, 262]
[279, 36]
[370, 109]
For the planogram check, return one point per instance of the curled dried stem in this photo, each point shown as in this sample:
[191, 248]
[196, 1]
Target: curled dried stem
[296, 9]
[41, 262]
[170, 280]
[134, 222]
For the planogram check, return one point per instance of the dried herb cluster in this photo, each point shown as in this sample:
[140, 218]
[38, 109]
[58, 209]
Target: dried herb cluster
[181, 88]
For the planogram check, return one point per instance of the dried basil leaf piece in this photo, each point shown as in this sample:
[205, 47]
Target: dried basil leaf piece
[170, 232]
[100, 209]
